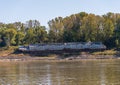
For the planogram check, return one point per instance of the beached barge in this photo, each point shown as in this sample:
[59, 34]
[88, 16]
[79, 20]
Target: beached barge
[74, 46]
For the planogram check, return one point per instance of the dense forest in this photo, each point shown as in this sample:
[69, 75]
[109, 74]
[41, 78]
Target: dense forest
[80, 27]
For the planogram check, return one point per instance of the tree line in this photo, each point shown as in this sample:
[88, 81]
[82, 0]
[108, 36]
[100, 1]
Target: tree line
[80, 27]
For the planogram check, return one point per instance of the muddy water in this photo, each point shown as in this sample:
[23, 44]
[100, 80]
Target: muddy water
[89, 72]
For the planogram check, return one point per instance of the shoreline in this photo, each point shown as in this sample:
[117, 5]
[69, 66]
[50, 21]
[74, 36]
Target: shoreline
[13, 54]
[57, 58]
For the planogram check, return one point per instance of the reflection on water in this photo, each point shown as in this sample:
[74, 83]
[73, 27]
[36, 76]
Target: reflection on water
[99, 72]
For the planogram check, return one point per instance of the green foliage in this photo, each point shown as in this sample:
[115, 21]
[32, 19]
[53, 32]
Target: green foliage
[10, 36]
[22, 33]
[117, 43]
[40, 34]
[89, 27]
[84, 27]
[56, 29]
[35, 35]
[19, 37]
[30, 36]
[80, 27]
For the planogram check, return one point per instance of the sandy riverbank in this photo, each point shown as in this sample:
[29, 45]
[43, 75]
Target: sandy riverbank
[57, 58]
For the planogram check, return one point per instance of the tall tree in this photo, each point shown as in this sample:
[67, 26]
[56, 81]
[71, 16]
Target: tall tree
[40, 34]
[10, 36]
[32, 24]
[19, 38]
[56, 27]
[30, 36]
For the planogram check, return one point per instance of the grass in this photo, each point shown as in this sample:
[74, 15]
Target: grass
[4, 51]
[106, 52]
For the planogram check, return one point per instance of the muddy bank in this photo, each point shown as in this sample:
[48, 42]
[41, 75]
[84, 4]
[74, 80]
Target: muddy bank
[57, 58]
[91, 57]
[25, 58]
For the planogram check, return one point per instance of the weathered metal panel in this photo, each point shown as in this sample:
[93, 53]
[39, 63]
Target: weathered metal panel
[61, 46]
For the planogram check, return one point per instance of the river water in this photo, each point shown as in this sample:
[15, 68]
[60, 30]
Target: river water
[86, 72]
